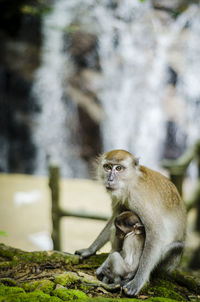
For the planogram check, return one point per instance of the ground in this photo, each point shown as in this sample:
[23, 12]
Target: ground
[55, 276]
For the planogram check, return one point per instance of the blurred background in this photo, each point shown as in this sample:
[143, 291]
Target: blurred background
[78, 78]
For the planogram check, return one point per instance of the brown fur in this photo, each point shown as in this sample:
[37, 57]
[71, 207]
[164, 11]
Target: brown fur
[118, 155]
[156, 201]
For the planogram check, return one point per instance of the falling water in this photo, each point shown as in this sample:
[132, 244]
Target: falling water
[137, 45]
[188, 88]
[55, 123]
[134, 77]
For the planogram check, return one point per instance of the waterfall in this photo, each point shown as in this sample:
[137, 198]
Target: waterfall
[134, 78]
[188, 88]
[136, 45]
[52, 126]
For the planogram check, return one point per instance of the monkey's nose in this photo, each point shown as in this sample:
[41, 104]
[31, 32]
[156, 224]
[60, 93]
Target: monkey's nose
[111, 177]
[109, 185]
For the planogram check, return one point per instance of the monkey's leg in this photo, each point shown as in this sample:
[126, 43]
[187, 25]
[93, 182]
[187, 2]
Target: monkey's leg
[151, 256]
[112, 269]
[104, 272]
[171, 256]
[103, 237]
[118, 267]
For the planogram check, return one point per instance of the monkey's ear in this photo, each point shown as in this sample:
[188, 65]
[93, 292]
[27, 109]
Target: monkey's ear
[96, 170]
[136, 159]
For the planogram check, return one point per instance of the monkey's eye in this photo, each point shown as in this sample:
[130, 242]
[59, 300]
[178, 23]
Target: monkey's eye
[107, 167]
[119, 168]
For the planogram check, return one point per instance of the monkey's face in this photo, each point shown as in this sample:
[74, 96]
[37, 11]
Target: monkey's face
[113, 174]
[118, 166]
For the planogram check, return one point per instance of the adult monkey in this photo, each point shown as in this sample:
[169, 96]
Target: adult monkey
[155, 200]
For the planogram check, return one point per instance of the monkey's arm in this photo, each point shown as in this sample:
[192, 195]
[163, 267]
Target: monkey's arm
[103, 237]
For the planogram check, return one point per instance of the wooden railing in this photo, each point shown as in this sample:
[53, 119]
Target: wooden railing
[57, 212]
[177, 169]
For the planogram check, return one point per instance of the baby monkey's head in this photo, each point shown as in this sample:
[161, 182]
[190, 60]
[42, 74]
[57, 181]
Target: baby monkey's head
[128, 222]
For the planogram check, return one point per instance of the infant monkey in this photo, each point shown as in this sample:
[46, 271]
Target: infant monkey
[129, 240]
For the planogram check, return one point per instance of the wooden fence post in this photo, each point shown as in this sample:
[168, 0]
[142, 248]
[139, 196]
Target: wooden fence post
[176, 174]
[178, 166]
[198, 189]
[177, 179]
[54, 178]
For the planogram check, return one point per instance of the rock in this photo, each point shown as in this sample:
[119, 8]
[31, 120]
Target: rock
[83, 48]
[61, 280]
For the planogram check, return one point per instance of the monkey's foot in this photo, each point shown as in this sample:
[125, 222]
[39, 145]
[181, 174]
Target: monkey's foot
[132, 288]
[102, 276]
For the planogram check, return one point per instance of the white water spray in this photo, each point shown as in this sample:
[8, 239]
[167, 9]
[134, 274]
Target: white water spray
[136, 46]
[52, 132]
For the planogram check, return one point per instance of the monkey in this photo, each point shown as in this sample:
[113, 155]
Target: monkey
[130, 236]
[155, 200]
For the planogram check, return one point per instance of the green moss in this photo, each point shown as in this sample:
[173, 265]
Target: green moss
[94, 261]
[190, 281]
[44, 285]
[8, 290]
[165, 289]
[66, 279]
[166, 293]
[166, 284]
[69, 294]
[5, 265]
[102, 299]
[8, 281]
[30, 297]
[16, 255]
[155, 299]
[160, 299]
[6, 253]
[83, 287]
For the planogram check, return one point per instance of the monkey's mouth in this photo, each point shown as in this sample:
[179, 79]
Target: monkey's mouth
[110, 187]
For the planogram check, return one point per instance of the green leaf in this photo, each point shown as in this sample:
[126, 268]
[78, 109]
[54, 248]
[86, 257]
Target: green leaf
[2, 233]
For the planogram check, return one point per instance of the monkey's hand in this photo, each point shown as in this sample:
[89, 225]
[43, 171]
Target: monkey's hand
[132, 288]
[103, 273]
[85, 253]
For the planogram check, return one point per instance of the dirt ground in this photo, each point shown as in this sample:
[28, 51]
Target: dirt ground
[25, 212]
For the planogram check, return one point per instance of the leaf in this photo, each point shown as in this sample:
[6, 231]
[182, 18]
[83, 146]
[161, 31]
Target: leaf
[2, 233]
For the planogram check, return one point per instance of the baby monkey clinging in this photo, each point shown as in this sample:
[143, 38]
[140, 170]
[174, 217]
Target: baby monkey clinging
[129, 240]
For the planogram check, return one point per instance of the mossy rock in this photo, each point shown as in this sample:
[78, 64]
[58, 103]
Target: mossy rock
[10, 290]
[94, 261]
[37, 296]
[66, 279]
[126, 300]
[167, 289]
[164, 292]
[15, 255]
[54, 276]
[69, 294]
[45, 286]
